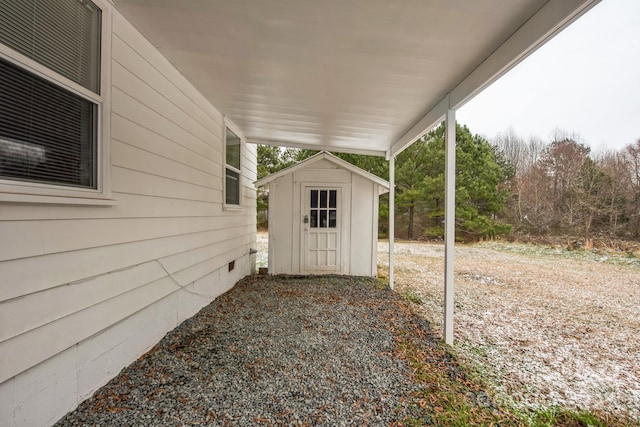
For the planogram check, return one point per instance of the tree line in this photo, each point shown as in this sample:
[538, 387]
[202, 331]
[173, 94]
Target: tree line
[505, 186]
[561, 188]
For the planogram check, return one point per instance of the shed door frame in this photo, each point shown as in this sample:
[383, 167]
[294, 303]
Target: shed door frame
[342, 228]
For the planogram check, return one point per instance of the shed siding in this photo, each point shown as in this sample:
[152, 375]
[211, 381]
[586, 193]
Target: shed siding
[280, 225]
[359, 213]
[362, 195]
[86, 290]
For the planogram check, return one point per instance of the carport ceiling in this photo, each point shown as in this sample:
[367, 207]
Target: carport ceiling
[363, 76]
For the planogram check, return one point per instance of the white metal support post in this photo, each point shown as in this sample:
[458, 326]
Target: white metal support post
[392, 196]
[450, 226]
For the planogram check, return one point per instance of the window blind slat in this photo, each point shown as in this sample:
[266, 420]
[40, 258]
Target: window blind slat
[46, 133]
[232, 183]
[63, 35]
[232, 149]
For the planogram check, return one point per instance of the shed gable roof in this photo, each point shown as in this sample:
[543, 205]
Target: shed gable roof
[324, 155]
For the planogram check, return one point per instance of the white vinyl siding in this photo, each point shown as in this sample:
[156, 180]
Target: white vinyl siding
[86, 290]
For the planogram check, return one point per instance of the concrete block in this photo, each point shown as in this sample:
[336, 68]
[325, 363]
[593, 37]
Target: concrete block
[49, 405]
[7, 402]
[34, 380]
[93, 375]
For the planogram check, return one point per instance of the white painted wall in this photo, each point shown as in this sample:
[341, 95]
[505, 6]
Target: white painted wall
[85, 290]
[281, 220]
[364, 227]
[360, 209]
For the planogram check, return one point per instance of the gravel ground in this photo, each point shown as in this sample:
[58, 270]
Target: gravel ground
[272, 351]
[548, 326]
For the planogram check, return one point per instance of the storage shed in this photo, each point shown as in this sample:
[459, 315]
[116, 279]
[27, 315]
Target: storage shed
[323, 218]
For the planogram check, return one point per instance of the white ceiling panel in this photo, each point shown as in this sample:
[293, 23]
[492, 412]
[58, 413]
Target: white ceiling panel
[344, 75]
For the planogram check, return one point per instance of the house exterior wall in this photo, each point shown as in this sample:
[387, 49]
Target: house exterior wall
[360, 216]
[85, 290]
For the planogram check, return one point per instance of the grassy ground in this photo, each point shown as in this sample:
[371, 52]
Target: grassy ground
[454, 394]
[601, 256]
[465, 396]
[457, 392]
[553, 334]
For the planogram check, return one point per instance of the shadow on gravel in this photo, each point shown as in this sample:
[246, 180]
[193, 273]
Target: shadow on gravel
[286, 350]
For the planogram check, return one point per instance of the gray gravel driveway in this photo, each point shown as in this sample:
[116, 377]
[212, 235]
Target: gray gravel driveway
[272, 351]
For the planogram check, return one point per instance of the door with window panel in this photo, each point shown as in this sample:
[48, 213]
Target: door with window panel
[322, 230]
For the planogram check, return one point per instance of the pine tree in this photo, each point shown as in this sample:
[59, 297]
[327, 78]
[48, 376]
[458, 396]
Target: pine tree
[480, 194]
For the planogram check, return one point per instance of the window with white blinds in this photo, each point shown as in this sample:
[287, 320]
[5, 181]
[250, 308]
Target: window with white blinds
[47, 134]
[48, 126]
[232, 170]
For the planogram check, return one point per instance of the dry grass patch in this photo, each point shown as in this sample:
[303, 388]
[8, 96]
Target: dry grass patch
[550, 329]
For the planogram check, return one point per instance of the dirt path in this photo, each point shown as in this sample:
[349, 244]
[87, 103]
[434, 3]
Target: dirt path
[549, 329]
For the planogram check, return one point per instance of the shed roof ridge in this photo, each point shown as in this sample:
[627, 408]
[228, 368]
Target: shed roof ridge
[323, 155]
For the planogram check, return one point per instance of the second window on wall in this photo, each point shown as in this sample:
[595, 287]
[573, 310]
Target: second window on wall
[232, 168]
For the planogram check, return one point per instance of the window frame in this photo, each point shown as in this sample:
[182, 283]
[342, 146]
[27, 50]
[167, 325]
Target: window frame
[228, 124]
[38, 192]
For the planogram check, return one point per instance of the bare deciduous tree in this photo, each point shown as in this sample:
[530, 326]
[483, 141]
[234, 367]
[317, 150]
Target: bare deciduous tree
[632, 154]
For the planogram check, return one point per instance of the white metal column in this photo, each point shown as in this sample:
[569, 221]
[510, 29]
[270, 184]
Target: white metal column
[450, 226]
[392, 196]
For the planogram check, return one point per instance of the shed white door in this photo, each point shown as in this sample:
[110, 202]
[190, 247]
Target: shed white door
[322, 230]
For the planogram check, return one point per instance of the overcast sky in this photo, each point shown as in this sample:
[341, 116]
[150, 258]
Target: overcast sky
[585, 80]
